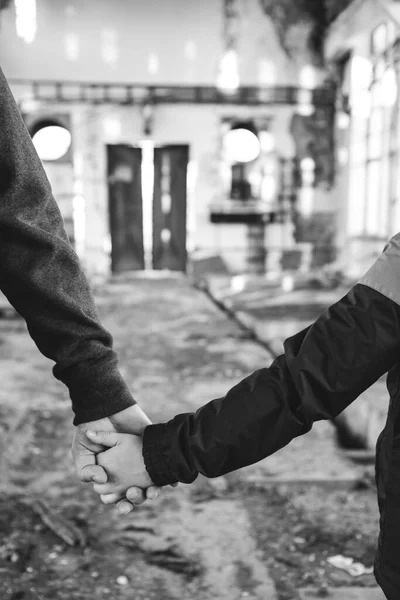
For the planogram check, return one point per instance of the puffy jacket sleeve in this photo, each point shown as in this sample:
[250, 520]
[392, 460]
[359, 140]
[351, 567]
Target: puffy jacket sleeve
[323, 369]
[41, 276]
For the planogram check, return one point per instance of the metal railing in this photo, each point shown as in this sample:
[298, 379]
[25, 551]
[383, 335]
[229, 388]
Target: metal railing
[125, 93]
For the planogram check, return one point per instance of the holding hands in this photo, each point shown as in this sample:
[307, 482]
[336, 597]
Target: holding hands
[123, 462]
[112, 458]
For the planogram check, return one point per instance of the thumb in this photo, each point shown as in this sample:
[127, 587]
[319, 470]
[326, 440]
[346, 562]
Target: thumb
[104, 438]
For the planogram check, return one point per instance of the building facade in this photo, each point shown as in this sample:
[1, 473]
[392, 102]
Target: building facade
[145, 96]
[362, 47]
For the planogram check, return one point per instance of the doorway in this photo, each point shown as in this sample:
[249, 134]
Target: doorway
[125, 207]
[128, 187]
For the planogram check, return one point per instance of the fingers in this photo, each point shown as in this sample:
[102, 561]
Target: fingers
[152, 493]
[108, 494]
[104, 489]
[136, 496]
[84, 457]
[111, 498]
[103, 438]
[93, 473]
[124, 507]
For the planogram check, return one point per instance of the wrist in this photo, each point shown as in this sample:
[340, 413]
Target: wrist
[131, 420]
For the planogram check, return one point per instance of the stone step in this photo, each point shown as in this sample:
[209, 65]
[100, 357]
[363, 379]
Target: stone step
[343, 593]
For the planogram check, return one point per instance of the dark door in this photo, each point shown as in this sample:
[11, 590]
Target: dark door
[125, 207]
[169, 207]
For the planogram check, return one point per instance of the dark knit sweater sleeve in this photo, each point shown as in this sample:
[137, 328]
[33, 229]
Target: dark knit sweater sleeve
[41, 276]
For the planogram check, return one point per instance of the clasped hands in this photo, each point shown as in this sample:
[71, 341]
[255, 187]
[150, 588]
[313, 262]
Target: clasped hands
[105, 456]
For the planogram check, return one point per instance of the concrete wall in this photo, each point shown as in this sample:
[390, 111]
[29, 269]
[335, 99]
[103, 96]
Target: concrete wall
[142, 41]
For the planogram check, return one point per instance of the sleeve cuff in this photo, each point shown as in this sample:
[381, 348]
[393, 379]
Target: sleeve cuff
[115, 404]
[97, 392]
[155, 455]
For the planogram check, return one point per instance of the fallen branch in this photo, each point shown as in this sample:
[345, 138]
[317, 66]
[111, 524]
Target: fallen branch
[59, 525]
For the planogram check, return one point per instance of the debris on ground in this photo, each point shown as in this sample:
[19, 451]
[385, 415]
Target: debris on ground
[347, 564]
[62, 527]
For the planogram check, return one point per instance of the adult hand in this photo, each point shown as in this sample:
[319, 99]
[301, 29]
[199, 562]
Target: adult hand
[131, 420]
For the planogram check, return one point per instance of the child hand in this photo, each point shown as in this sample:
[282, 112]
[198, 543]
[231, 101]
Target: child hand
[123, 462]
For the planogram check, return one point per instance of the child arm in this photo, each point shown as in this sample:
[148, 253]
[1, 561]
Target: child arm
[323, 369]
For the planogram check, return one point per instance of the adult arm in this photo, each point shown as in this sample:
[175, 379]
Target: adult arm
[41, 276]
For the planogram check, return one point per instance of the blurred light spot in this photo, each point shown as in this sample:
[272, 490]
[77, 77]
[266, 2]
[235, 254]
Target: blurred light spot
[109, 47]
[78, 187]
[78, 164]
[165, 235]
[121, 174]
[190, 50]
[361, 103]
[267, 141]
[266, 72]
[306, 200]
[238, 283]
[228, 78]
[153, 63]
[29, 104]
[107, 245]
[360, 80]
[287, 283]
[112, 127]
[255, 178]
[166, 201]
[343, 120]
[388, 88]
[307, 164]
[241, 145]
[272, 275]
[72, 46]
[147, 194]
[379, 38]
[147, 111]
[52, 142]
[361, 72]
[308, 77]
[269, 167]
[268, 188]
[343, 156]
[305, 106]
[25, 23]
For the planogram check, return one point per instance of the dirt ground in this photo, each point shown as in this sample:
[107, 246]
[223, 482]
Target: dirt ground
[240, 536]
